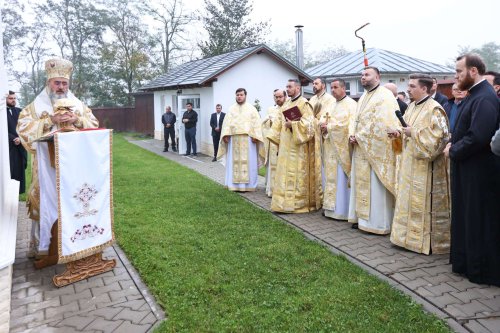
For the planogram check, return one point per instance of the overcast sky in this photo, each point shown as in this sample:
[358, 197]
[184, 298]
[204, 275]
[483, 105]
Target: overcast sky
[429, 30]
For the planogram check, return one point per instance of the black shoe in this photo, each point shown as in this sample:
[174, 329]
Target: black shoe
[174, 150]
[186, 154]
[354, 226]
[214, 159]
[195, 155]
[166, 149]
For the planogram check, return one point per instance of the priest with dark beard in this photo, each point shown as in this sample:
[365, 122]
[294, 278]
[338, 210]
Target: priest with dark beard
[475, 177]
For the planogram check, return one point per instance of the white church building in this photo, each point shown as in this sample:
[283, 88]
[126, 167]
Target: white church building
[211, 81]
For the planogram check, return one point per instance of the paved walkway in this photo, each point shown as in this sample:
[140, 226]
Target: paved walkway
[467, 307]
[116, 301]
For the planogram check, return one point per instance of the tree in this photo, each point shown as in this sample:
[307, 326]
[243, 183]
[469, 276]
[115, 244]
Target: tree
[124, 60]
[34, 50]
[168, 37]
[14, 29]
[229, 28]
[490, 52]
[286, 48]
[77, 27]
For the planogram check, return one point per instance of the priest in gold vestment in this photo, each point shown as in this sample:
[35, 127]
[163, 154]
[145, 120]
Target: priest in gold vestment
[38, 119]
[321, 103]
[297, 183]
[334, 125]
[273, 113]
[242, 145]
[373, 170]
[422, 215]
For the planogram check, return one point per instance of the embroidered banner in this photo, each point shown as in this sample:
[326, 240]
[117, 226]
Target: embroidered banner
[85, 193]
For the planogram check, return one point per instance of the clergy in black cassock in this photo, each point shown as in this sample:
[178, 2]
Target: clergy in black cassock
[475, 178]
[17, 153]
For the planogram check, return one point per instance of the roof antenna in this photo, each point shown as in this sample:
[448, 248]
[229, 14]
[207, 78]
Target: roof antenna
[365, 59]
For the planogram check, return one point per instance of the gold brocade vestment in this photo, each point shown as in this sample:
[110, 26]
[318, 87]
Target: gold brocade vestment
[34, 122]
[297, 183]
[273, 113]
[374, 151]
[336, 152]
[241, 122]
[422, 215]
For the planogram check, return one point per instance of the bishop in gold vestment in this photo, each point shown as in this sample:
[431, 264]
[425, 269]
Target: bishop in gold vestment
[422, 215]
[336, 155]
[242, 145]
[373, 171]
[38, 119]
[297, 183]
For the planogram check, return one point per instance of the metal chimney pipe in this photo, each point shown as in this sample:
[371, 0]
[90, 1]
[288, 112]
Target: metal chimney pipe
[299, 47]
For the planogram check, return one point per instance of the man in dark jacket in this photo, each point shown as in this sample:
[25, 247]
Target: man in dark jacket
[190, 118]
[168, 120]
[17, 153]
[475, 177]
[216, 121]
[438, 97]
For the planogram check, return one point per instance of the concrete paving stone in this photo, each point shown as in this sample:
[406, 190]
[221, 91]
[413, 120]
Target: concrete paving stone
[18, 329]
[51, 329]
[56, 292]
[440, 278]
[443, 300]
[107, 313]
[492, 324]
[399, 277]
[39, 289]
[472, 308]
[26, 285]
[111, 287]
[150, 319]
[435, 270]
[23, 321]
[83, 295]
[398, 265]
[98, 301]
[116, 295]
[37, 306]
[414, 284]
[476, 327]
[14, 303]
[492, 303]
[133, 298]
[116, 278]
[468, 295]
[78, 322]
[103, 325]
[96, 281]
[19, 279]
[63, 309]
[134, 317]
[463, 283]
[489, 291]
[133, 305]
[440, 289]
[19, 311]
[18, 294]
[127, 283]
[423, 292]
[415, 273]
[128, 327]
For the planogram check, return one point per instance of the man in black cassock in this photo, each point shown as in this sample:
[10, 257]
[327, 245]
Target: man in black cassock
[17, 153]
[475, 178]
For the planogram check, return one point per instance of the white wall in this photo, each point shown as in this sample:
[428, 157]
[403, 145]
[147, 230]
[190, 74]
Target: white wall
[259, 75]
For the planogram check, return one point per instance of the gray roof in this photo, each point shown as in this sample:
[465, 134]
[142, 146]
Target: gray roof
[202, 72]
[387, 62]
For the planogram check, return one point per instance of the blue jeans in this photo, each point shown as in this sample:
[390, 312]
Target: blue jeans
[190, 134]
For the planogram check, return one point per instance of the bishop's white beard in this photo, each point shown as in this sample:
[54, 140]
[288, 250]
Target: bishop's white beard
[54, 97]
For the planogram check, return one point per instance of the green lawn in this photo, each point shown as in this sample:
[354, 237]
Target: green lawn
[216, 263]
